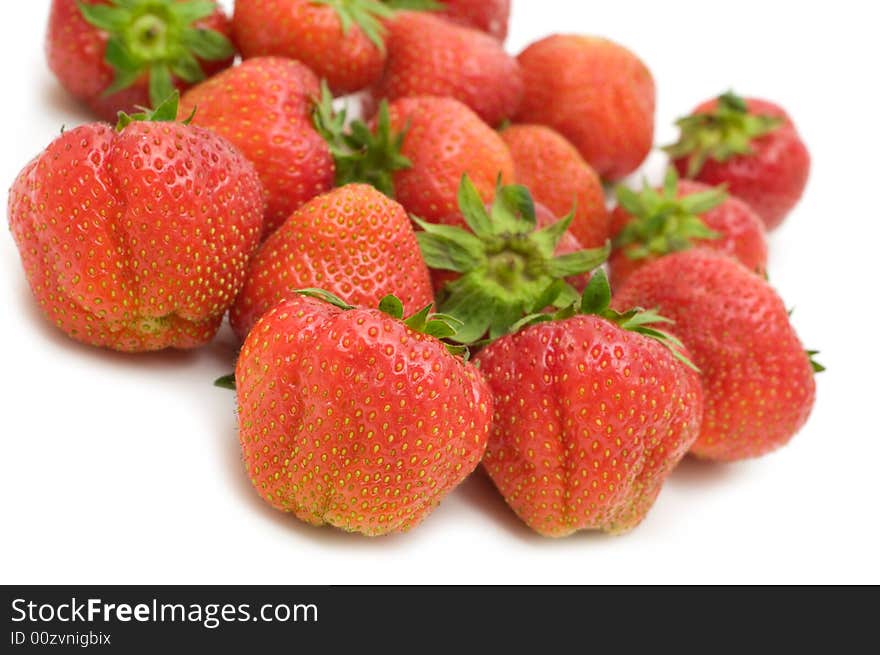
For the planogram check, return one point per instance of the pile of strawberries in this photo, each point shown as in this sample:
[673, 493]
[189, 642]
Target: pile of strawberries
[426, 289]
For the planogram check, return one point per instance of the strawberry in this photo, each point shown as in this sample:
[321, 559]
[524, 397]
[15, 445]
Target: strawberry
[137, 238]
[504, 264]
[757, 378]
[264, 108]
[490, 16]
[352, 241]
[594, 92]
[428, 55]
[750, 145]
[417, 151]
[681, 215]
[593, 409]
[117, 55]
[558, 177]
[356, 418]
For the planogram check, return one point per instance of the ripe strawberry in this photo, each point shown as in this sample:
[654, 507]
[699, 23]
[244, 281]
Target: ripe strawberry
[490, 16]
[137, 238]
[356, 418]
[116, 55]
[353, 241]
[681, 215]
[758, 381]
[502, 265]
[428, 55]
[341, 40]
[751, 146]
[264, 107]
[558, 177]
[592, 412]
[417, 152]
[595, 93]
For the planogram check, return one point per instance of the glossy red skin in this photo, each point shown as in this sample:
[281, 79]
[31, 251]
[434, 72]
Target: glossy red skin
[490, 16]
[312, 34]
[445, 140]
[772, 179]
[264, 108]
[741, 229]
[594, 92]
[428, 55]
[353, 242]
[757, 380]
[589, 421]
[559, 178]
[544, 217]
[137, 240]
[75, 53]
[352, 419]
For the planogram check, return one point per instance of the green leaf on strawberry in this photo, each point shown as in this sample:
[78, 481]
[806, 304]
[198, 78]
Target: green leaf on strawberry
[508, 267]
[156, 38]
[661, 221]
[721, 134]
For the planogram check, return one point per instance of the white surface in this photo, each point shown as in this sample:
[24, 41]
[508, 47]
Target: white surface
[121, 469]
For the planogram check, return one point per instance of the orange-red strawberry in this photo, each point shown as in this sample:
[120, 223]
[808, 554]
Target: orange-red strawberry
[116, 55]
[137, 238]
[757, 378]
[355, 418]
[490, 16]
[750, 145]
[264, 107]
[559, 178]
[499, 264]
[353, 241]
[594, 92]
[342, 41]
[592, 412]
[417, 150]
[681, 215]
[428, 55]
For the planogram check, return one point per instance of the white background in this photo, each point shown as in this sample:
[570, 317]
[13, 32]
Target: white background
[126, 469]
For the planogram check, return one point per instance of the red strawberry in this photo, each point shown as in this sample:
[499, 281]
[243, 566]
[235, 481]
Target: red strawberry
[355, 418]
[116, 55]
[597, 94]
[341, 41]
[417, 151]
[490, 16]
[137, 238]
[264, 107]
[353, 241]
[592, 412]
[751, 146]
[758, 381]
[681, 215]
[559, 178]
[502, 265]
[428, 55]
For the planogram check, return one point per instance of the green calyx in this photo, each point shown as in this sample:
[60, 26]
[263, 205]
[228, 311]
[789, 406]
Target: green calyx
[721, 134]
[661, 221]
[157, 38]
[817, 367]
[507, 265]
[166, 112]
[596, 301]
[439, 326]
[360, 154]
